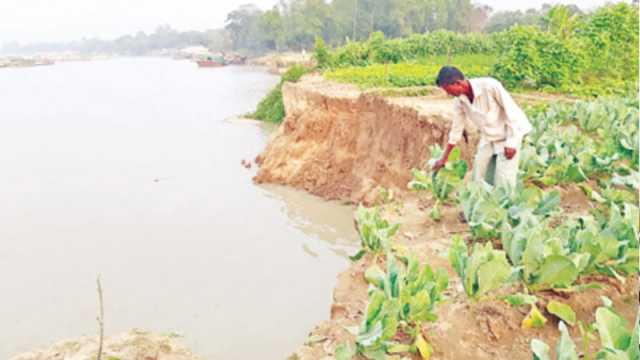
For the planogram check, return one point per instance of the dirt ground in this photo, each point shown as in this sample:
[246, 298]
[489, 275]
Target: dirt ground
[133, 345]
[465, 329]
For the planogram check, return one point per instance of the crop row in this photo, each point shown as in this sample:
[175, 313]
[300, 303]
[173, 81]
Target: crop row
[519, 238]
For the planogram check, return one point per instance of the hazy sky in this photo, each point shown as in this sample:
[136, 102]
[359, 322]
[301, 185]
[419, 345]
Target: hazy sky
[64, 20]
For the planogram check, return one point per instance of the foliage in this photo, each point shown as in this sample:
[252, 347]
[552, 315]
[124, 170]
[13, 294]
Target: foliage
[489, 211]
[271, 107]
[610, 247]
[532, 58]
[482, 271]
[448, 178]
[395, 75]
[321, 54]
[618, 342]
[441, 183]
[375, 232]
[563, 311]
[399, 300]
[566, 349]
[609, 40]
[378, 50]
[585, 55]
[571, 143]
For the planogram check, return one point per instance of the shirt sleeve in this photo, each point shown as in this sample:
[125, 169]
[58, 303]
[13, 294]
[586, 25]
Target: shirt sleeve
[516, 120]
[457, 125]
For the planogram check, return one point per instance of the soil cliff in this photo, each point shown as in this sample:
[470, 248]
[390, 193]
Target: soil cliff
[339, 142]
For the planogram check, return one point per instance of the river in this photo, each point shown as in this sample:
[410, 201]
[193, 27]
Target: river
[130, 169]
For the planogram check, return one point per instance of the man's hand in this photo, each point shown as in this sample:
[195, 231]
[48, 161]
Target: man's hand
[509, 153]
[439, 164]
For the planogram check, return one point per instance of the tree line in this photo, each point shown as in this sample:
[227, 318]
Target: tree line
[294, 25]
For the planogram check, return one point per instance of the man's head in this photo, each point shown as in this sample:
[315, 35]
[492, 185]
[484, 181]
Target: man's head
[451, 80]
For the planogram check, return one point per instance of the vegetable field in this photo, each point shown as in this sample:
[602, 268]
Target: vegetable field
[519, 244]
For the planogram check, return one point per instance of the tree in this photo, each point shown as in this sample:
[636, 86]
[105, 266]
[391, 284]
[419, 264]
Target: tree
[242, 25]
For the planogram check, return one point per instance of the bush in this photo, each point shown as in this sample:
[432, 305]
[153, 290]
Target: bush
[535, 59]
[321, 54]
[378, 50]
[596, 54]
[271, 108]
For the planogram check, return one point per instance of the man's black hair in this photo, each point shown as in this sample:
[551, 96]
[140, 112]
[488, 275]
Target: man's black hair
[449, 75]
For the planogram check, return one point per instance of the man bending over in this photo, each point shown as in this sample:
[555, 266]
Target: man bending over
[485, 103]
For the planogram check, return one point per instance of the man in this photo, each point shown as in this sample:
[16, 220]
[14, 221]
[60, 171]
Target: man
[502, 125]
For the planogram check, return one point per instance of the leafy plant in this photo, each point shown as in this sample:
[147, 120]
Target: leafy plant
[563, 311]
[400, 299]
[566, 349]
[492, 212]
[617, 340]
[271, 107]
[572, 143]
[483, 270]
[375, 232]
[443, 183]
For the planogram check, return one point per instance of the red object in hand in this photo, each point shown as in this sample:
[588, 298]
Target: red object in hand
[509, 153]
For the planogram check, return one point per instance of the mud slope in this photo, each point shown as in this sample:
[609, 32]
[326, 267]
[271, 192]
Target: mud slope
[342, 143]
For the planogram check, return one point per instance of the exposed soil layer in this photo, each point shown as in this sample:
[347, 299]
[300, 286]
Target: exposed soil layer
[133, 345]
[339, 142]
[484, 329]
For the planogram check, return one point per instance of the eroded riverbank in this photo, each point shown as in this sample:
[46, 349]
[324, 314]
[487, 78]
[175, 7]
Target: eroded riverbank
[342, 143]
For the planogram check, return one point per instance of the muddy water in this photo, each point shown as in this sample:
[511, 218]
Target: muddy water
[130, 169]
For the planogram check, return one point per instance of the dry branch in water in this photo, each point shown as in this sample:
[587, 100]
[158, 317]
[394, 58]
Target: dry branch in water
[100, 319]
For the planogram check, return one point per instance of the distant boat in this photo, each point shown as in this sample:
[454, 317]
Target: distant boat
[209, 63]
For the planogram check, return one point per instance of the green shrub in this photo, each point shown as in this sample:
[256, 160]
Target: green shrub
[321, 54]
[596, 54]
[378, 50]
[271, 107]
[535, 59]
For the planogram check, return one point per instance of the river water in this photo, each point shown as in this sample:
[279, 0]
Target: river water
[130, 168]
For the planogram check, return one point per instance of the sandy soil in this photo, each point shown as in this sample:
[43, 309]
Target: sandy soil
[339, 142]
[133, 345]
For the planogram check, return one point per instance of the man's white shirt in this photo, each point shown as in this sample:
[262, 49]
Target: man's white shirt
[494, 113]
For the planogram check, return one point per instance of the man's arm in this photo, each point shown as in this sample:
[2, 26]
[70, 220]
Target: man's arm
[457, 131]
